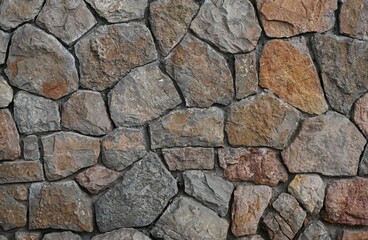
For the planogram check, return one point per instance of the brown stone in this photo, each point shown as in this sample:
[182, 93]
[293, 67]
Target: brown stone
[354, 18]
[354, 235]
[360, 114]
[9, 137]
[22, 235]
[246, 81]
[21, 171]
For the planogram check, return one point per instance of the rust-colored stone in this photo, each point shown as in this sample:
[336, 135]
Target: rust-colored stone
[9, 137]
[21, 171]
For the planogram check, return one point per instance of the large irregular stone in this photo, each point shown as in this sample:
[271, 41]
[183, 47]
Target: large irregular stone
[360, 114]
[139, 198]
[248, 207]
[246, 76]
[141, 96]
[170, 20]
[287, 69]
[9, 137]
[21, 171]
[328, 144]
[111, 51]
[201, 73]
[31, 149]
[189, 127]
[23, 235]
[38, 63]
[122, 147]
[313, 231]
[259, 165]
[287, 18]
[66, 152]
[363, 167]
[187, 219]
[61, 236]
[60, 205]
[354, 18]
[212, 191]
[344, 80]
[4, 42]
[231, 25]
[34, 114]
[354, 235]
[261, 121]
[122, 234]
[6, 93]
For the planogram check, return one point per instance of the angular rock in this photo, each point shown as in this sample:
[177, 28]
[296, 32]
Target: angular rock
[187, 219]
[9, 137]
[170, 20]
[34, 114]
[111, 51]
[30, 148]
[85, 112]
[315, 230]
[65, 19]
[246, 76]
[180, 159]
[285, 19]
[214, 192]
[97, 178]
[363, 167]
[328, 144]
[354, 18]
[360, 114]
[190, 127]
[60, 205]
[354, 235]
[21, 235]
[261, 121]
[231, 25]
[344, 80]
[122, 147]
[6, 93]
[287, 69]
[201, 73]
[259, 165]
[141, 96]
[248, 207]
[61, 236]
[21, 171]
[4, 42]
[38, 63]
[122, 234]
[139, 198]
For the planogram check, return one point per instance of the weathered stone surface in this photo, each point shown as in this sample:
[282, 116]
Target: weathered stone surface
[187, 219]
[85, 112]
[3, 237]
[18, 192]
[21, 235]
[354, 235]
[246, 76]
[67, 20]
[97, 178]
[201, 73]
[60, 205]
[328, 144]
[30, 148]
[139, 198]
[287, 69]
[119, 10]
[309, 190]
[214, 192]
[34, 114]
[4, 42]
[111, 51]
[38, 63]
[122, 234]
[66, 152]
[261, 121]
[190, 127]
[6, 93]
[231, 25]
[253, 237]
[9, 137]
[285, 19]
[363, 167]
[259, 165]
[141, 96]
[315, 230]
[360, 114]
[21, 171]
[170, 20]
[354, 18]
[180, 159]
[248, 207]
[344, 80]
[61, 236]
[122, 147]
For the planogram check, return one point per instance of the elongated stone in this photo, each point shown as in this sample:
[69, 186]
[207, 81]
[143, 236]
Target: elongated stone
[21, 171]
[122, 234]
[4, 42]
[354, 18]
[25, 235]
[9, 137]
[354, 235]
[61, 236]
[31, 149]
[360, 114]
[6, 93]
[246, 81]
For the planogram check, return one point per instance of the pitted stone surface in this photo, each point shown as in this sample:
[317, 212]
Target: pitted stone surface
[61, 236]
[9, 137]
[122, 234]
[354, 18]
[4, 42]
[246, 75]
[21, 171]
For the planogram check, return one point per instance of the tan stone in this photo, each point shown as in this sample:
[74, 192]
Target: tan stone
[354, 235]
[360, 114]
[21, 171]
[246, 76]
[354, 18]
[22, 235]
[9, 137]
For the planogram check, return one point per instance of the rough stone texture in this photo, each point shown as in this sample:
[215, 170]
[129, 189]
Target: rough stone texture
[38, 63]
[141, 96]
[246, 81]
[253, 237]
[28, 235]
[201, 73]
[61, 236]
[354, 235]
[60, 205]
[180, 159]
[139, 198]
[9, 137]
[259, 165]
[346, 201]
[4, 42]
[231, 25]
[21, 171]
[315, 230]
[97, 178]
[111, 51]
[65, 153]
[34, 114]
[287, 69]
[122, 147]
[248, 207]
[3, 237]
[214, 192]
[6, 93]
[287, 18]
[189, 127]
[122, 234]
[354, 18]
[344, 80]
[360, 114]
[85, 112]
[328, 144]
[30, 148]
[187, 219]
[363, 167]
[261, 121]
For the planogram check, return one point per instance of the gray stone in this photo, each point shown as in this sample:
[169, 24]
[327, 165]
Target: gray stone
[139, 198]
[122, 234]
[354, 18]
[231, 25]
[253, 237]
[141, 96]
[363, 167]
[315, 230]
[6, 93]
[3, 237]
[4, 42]
[21, 171]
[30, 148]
[360, 114]
[246, 81]
[23, 235]
[61, 236]
[9, 137]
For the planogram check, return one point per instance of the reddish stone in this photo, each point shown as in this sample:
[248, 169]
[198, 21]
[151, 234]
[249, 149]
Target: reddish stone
[354, 235]
[9, 137]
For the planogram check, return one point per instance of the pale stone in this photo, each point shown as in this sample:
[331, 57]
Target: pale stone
[246, 76]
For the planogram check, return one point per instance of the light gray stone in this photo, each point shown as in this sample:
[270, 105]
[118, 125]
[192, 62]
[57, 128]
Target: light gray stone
[315, 230]
[4, 42]
[6, 93]
[21, 171]
[246, 81]
[363, 167]
[3, 237]
[253, 237]
[122, 234]
[61, 236]
[30, 148]
[9, 137]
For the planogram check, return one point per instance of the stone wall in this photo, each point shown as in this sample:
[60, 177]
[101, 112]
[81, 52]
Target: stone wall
[194, 120]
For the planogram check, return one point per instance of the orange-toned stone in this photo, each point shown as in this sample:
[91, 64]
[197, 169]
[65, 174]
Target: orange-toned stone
[9, 137]
[354, 18]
